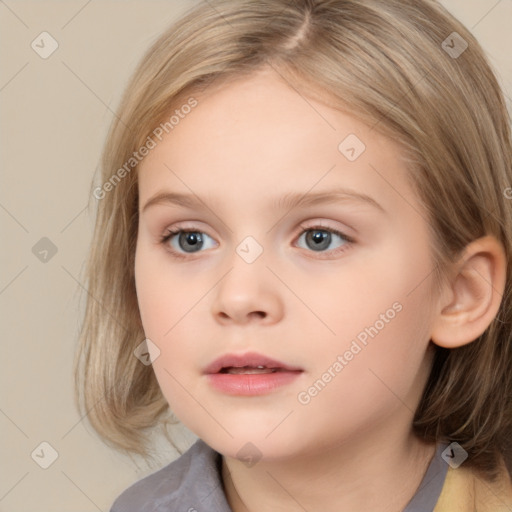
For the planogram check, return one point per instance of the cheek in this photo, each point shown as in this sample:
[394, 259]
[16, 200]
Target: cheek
[385, 291]
[163, 296]
[168, 305]
[382, 377]
[382, 323]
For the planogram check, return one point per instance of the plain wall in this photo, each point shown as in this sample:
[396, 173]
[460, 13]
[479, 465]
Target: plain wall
[55, 113]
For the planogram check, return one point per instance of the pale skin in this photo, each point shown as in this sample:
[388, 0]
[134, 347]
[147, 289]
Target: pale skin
[351, 447]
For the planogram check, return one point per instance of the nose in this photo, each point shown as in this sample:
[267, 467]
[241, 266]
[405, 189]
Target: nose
[247, 293]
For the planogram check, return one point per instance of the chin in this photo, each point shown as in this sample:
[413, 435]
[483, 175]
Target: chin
[254, 446]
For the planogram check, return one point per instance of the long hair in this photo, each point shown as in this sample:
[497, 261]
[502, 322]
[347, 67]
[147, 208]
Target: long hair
[409, 70]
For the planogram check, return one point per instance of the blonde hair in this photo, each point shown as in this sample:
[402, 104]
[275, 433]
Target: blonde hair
[383, 61]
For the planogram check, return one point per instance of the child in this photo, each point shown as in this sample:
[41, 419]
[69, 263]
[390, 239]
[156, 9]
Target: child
[338, 335]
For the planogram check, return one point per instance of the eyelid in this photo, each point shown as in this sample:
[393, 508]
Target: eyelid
[320, 225]
[305, 225]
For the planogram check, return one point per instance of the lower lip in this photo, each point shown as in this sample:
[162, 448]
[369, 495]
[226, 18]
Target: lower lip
[251, 384]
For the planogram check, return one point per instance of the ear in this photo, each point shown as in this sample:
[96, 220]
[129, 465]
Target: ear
[472, 298]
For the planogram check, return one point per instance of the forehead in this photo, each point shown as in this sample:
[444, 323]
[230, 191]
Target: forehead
[258, 136]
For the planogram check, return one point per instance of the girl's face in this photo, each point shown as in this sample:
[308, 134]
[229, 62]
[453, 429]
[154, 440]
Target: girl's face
[351, 312]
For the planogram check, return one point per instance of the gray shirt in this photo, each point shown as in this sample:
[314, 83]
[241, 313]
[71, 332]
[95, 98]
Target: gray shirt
[193, 483]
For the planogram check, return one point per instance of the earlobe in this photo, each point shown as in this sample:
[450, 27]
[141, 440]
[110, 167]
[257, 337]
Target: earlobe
[475, 294]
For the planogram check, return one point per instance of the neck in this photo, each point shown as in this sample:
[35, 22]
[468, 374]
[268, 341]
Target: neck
[381, 475]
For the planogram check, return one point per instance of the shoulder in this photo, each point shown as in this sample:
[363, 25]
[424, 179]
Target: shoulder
[183, 483]
[465, 491]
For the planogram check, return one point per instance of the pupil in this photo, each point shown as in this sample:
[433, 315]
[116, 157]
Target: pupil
[193, 239]
[319, 237]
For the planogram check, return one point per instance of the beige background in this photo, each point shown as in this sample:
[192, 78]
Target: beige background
[55, 113]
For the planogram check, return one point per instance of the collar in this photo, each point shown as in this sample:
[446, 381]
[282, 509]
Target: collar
[193, 483]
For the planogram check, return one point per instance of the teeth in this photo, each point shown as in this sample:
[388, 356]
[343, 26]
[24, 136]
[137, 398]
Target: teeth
[249, 370]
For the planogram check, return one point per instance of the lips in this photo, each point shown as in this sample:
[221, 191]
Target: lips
[251, 374]
[250, 363]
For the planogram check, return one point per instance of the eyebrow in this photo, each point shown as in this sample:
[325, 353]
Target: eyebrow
[289, 201]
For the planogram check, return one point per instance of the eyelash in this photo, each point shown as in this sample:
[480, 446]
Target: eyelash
[164, 239]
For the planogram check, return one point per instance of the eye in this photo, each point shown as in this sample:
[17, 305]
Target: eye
[318, 238]
[190, 240]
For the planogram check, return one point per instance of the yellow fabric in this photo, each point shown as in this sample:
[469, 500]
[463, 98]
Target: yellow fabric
[465, 491]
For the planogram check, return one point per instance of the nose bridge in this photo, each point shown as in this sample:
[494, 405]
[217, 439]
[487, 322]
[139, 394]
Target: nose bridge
[250, 249]
[247, 266]
[248, 232]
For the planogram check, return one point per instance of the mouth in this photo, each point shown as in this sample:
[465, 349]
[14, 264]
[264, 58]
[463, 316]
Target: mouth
[248, 370]
[250, 364]
[249, 374]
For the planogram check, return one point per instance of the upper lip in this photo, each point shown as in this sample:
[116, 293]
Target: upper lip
[251, 359]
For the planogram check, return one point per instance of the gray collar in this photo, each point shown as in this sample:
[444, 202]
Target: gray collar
[193, 483]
